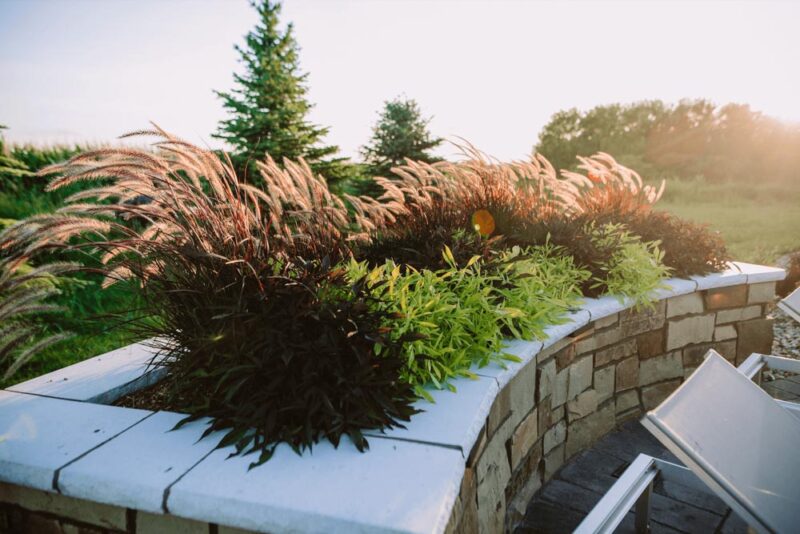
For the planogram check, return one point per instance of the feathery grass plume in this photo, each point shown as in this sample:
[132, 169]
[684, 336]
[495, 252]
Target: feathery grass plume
[437, 205]
[264, 334]
[23, 292]
[612, 187]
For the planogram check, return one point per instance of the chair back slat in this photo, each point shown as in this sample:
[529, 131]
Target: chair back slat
[791, 305]
[738, 440]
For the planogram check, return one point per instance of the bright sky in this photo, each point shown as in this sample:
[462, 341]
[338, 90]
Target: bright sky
[491, 72]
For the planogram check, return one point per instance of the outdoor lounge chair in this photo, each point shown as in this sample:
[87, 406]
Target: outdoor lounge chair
[737, 441]
[791, 304]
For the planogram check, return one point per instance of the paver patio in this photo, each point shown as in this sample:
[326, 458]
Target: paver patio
[562, 503]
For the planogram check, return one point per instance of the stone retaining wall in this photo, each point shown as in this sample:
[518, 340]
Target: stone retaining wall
[577, 390]
[529, 420]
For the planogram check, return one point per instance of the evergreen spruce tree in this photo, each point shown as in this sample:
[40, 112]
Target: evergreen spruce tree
[401, 132]
[268, 106]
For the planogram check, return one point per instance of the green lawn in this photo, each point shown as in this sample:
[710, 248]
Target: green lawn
[759, 223]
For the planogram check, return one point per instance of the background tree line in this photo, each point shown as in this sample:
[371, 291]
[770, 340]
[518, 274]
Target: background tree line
[693, 138]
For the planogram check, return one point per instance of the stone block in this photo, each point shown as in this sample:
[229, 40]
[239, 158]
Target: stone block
[556, 347]
[523, 438]
[604, 383]
[615, 353]
[559, 395]
[599, 340]
[147, 522]
[565, 357]
[92, 513]
[739, 314]
[726, 297]
[582, 405]
[761, 293]
[465, 509]
[580, 376]
[754, 336]
[650, 344]
[523, 393]
[607, 321]
[725, 332]
[690, 330]
[685, 305]
[627, 374]
[555, 436]
[586, 345]
[518, 505]
[627, 400]
[661, 368]
[553, 461]
[633, 323]
[583, 432]
[501, 409]
[653, 395]
[477, 448]
[469, 516]
[548, 417]
[547, 376]
[493, 474]
[694, 355]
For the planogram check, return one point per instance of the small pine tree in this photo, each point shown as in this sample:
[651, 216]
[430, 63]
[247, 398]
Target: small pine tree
[401, 132]
[268, 107]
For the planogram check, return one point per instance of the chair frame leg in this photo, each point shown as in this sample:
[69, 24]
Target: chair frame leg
[642, 511]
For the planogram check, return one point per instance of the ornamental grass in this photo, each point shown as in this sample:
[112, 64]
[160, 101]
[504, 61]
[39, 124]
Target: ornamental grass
[290, 315]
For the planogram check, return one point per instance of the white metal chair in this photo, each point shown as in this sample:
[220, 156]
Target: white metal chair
[791, 304]
[737, 441]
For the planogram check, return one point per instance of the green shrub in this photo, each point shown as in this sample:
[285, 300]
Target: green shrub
[263, 334]
[688, 248]
[635, 268]
[458, 317]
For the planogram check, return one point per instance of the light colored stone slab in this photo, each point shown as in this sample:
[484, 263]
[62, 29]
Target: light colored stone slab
[685, 304]
[674, 287]
[559, 393]
[396, 486]
[725, 332]
[39, 435]
[761, 293]
[574, 321]
[101, 379]
[524, 350]
[580, 376]
[729, 277]
[760, 273]
[135, 468]
[454, 419]
[689, 330]
[603, 307]
[661, 368]
[739, 314]
[555, 436]
[604, 383]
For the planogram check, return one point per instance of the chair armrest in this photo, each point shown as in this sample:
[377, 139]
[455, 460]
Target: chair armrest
[612, 508]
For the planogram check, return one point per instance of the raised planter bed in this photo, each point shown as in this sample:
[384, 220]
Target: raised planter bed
[468, 463]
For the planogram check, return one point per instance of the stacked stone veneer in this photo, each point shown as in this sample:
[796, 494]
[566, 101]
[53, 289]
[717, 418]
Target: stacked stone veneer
[580, 388]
